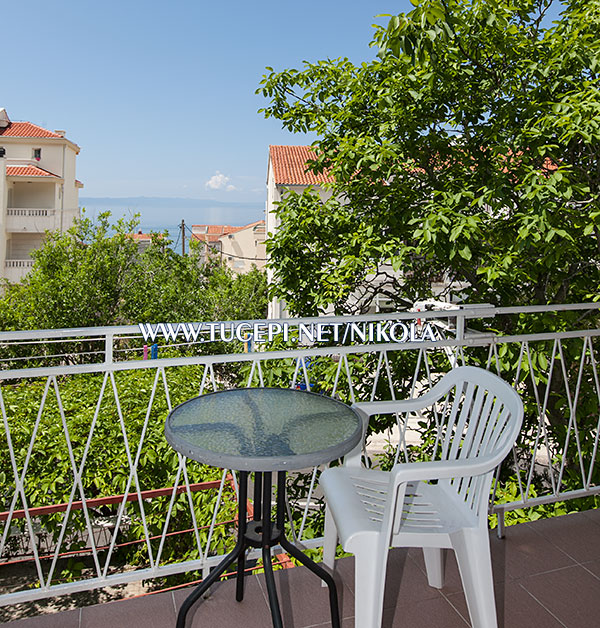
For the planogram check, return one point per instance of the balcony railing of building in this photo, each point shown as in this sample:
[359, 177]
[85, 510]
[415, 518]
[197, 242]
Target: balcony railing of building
[38, 220]
[18, 263]
[30, 212]
[93, 496]
[16, 269]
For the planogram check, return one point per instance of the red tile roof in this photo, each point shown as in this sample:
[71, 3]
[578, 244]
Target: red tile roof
[28, 171]
[143, 237]
[289, 166]
[26, 129]
[211, 233]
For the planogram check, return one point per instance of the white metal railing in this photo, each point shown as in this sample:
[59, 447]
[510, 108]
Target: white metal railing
[18, 263]
[34, 213]
[554, 371]
[38, 220]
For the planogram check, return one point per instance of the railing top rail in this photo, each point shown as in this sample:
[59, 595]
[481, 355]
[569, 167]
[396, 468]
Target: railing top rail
[483, 310]
[532, 309]
[312, 351]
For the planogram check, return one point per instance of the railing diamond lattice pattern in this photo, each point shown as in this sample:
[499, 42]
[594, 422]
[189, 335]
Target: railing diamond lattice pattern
[128, 508]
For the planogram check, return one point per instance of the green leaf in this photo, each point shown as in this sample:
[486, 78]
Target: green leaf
[465, 252]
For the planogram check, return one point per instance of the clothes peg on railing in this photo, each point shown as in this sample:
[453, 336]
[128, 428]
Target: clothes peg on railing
[154, 352]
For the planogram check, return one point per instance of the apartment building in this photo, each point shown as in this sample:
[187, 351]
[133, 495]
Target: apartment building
[38, 191]
[239, 247]
[287, 171]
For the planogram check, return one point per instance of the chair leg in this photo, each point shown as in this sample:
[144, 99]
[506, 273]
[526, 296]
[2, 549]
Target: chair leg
[370, 564]
[330, 541]
[434, 563]
[472, 549]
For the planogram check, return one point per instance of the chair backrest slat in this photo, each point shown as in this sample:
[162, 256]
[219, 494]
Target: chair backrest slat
[472, 436]
[481, 422]
[441, 419]
[446, 429]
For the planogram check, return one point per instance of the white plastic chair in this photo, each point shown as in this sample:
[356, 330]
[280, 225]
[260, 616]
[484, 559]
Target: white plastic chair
[479, 417]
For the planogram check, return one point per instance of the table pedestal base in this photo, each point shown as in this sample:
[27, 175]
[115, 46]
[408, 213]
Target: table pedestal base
[263, 533]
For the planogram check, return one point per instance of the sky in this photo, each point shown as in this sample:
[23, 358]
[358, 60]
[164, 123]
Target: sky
[160, 96]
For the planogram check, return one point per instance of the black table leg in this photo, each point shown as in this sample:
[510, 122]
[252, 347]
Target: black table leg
[238, 553]
[305, 560]
[242, 526]
[261, 533]
[266, 552]
[257, 496]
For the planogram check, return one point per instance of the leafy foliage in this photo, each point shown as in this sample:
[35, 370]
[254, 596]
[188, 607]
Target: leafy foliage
[94, 275]
[106, 449]
[468, 148]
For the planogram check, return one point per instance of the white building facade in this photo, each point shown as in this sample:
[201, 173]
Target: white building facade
[38, 191]
[240, 248]
[287, 171]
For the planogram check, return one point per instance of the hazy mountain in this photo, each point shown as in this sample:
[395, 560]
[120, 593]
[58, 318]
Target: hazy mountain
[159, 213]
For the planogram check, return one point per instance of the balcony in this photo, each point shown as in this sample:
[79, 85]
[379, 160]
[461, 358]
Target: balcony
[16, 269]
[89, 480]
[37, 220]
[547, 573]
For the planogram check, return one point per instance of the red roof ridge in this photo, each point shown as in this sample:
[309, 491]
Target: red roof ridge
[28, 171]
[214, 232]
[226, 228]
[140, 235]
[27, 129]
[253, 224]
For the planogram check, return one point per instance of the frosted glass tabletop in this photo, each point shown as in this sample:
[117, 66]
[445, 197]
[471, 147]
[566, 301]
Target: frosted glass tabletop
[263, 429]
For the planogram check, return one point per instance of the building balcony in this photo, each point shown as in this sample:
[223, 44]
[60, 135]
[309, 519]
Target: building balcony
[38, 220]
[16, 269]
[547, 574]
[95, 505]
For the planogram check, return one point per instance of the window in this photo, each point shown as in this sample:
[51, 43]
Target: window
[37, 153]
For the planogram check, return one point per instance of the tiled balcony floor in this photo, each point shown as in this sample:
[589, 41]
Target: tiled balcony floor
[547, 575]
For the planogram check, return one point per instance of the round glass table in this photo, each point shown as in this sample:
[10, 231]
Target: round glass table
[263, 430]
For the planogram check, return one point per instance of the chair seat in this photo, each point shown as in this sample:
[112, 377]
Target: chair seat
[358, 497]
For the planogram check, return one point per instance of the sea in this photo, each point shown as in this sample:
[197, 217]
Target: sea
[165, 214]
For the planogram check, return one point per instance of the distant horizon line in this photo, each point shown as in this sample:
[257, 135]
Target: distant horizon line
[170, 199]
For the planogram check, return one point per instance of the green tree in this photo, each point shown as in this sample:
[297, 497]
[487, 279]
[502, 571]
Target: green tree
[94, 275]
[468, 147]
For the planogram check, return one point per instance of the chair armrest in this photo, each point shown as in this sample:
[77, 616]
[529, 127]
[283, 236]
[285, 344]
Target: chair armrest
[443, 469]
[399, 405]
[457, 376]
[367, 409]
[354, 457]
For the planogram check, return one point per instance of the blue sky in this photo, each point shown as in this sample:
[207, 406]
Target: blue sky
[160, 95]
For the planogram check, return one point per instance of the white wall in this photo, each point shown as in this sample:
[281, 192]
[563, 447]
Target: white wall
[274, 194]
[58, 156]
[3, 201]
[20, 245]
[35, 194]
[247, 243]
